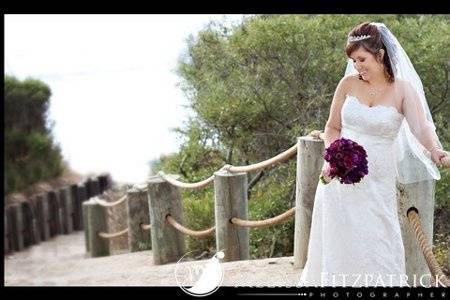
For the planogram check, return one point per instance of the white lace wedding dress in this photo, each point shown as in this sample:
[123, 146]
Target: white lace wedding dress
[355, 237]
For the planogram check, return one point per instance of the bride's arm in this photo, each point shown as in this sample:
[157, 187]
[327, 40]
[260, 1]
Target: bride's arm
[334, 125]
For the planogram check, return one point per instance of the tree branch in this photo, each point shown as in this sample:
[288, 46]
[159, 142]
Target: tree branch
[254, 181]
[229, 155]
[267, 110]
[293, 194]
[180, 167]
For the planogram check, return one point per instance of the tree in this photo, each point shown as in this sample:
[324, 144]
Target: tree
[30, 153]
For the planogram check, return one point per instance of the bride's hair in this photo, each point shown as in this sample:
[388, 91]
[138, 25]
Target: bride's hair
[373, 44]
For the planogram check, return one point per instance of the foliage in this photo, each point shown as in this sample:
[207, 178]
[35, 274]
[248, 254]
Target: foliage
[30, 154]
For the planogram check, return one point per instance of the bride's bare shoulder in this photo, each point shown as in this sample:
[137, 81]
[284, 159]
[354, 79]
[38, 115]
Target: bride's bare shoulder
[350, 82]
[351, 78]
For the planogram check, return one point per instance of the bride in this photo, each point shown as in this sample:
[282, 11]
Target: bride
[355, 237]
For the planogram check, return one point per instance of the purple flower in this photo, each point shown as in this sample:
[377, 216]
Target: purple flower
[348, 161]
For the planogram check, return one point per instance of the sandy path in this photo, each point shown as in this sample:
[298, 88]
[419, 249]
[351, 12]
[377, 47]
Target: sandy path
[61, 261]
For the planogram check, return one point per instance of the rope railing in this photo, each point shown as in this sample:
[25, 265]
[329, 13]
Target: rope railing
[264, 223]
[113, 235]
[230, 168]
[145, 226]
[184, 185]
[283, 156]
[110, 204]
[432, 263]
[142, 187]
[185, 230]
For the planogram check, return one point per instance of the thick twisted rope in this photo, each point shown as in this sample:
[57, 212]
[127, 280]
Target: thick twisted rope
[184, 185]
[112, 235]
[145, 226]
[283, 156]
[109, 204]
[195, 233]
[255, 167]
[263, 223]
[432, 263]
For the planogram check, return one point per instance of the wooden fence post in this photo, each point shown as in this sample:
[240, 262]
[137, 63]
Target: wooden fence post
[55, 214]
[230, 194]
[67, 210]
[16, 217]
[82, 194]
[96, 223]
[30, 230]
[35, 227]
[76, 207]
[43, 217]
[168, 244]
[138, 212]
[84, 209]
[309, 163]
[7, 231]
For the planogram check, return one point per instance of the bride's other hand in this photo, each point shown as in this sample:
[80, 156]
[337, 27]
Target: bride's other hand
[326, 172]
[437, 154]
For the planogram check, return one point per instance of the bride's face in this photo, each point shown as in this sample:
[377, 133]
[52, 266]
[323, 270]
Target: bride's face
[366, 64]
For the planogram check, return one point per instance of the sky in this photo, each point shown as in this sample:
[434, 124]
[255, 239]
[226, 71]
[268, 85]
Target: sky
[114, 94]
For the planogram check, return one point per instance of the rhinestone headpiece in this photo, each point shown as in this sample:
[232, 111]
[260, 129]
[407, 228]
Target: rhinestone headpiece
[355, 38]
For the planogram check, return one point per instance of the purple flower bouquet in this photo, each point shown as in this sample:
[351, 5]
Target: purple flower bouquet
[348, 161]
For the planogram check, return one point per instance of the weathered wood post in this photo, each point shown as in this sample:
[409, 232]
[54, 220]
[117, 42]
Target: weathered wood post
[139, 239]
[43, 217]
[16, 218]
[82, 194]
[97, 223]
[168, 244]
[35, 226]
[7, 231]
[55, 214]
[27, 219]
[66, 209]
[76, 207]
[420, 195]
[309, 164]
[30, 232]
[230, 194]
[84, 209]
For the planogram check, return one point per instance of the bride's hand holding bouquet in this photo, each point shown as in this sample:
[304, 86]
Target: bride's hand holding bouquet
[345, 160]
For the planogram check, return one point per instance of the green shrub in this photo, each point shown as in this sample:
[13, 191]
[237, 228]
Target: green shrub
[30, 153]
